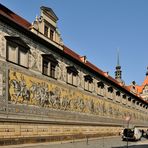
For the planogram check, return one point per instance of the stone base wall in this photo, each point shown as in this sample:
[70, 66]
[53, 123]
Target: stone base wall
[16, 133]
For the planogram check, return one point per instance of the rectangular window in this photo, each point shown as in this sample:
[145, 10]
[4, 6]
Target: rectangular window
[45, 67]
[49, 65]
[69, 78]
[74, 80]
[52, 70]
[110, 93]
[12, 53]
[46, 31]
[101, 90]
[23, 57]
[86, 85]
[49, 68]
[17, 54]
[51, 34]
[72, 75]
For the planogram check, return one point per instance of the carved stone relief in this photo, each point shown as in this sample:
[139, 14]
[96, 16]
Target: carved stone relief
[1, 84]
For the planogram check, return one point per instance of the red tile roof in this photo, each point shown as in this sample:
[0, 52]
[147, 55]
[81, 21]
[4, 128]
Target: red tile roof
[78, 57]
[71, 53]
[145, 81]
[14, 17]
[140, 88]
[88, 64]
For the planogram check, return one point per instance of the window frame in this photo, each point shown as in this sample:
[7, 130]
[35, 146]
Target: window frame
[51, 34]
[87, 83]
[20, 46]
[100, 88]
[73, 73]
[46, 30]
[52, 63]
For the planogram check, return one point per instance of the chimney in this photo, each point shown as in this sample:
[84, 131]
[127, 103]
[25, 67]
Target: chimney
[83, 59]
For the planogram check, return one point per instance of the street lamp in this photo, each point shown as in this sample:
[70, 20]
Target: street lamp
[127, 119]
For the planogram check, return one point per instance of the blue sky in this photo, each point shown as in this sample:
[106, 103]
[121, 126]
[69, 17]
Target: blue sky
[97, 28]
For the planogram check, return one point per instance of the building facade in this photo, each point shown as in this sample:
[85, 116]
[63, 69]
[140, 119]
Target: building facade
[49, 91]
[141, 90]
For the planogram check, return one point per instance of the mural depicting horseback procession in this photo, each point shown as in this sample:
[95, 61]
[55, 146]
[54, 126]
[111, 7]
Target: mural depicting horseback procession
[28, 90]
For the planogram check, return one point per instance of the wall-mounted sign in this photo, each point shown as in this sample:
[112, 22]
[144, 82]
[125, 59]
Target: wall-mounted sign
[1, 84]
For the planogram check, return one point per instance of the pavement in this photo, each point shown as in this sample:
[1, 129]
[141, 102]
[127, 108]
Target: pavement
[106, 142]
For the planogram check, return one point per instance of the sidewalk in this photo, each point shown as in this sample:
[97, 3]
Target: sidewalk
[56, 142]
[143, 142]
[106, 142]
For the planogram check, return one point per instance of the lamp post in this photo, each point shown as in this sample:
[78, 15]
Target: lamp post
[127, 119]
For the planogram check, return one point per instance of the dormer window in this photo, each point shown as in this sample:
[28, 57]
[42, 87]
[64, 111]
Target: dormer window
[49, 31]
[46, 31]
[49, 65]
[17, 51]
[45, 25]
[72, 74]
[51, 34]
[88, 83]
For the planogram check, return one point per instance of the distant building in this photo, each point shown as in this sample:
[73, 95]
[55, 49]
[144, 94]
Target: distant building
[141, 90]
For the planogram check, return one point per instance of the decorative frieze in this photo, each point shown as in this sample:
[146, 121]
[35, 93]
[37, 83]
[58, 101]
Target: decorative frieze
[31, 95]
[1, 84]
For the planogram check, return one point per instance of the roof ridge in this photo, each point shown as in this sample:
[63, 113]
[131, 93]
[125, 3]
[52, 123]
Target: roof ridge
[13, 16]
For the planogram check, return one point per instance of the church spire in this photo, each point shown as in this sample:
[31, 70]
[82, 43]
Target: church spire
[118, 72]
[118, 63]
[147, 72]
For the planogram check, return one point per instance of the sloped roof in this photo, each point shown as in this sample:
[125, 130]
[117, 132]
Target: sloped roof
[139, 88]
[145, 81]
[14, 17]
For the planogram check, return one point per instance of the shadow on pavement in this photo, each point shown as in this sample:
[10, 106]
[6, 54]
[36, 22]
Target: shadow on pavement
[134, 146]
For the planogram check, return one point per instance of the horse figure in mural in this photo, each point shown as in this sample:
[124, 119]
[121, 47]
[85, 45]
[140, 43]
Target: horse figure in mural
[65, 103]
[20, 90]
[40, 93]
[54, 100]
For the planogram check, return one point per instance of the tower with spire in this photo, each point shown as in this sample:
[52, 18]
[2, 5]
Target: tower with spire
[118, 72]
[147, 72]
[142, 90]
